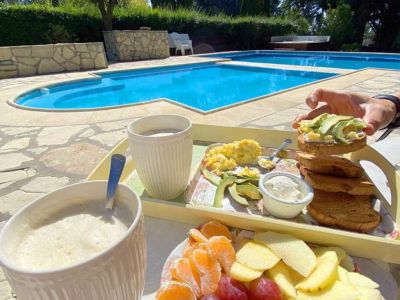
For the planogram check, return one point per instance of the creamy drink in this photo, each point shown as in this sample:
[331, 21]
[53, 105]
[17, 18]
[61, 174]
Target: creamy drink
[161, 132]
[70, 235]
[161, 148]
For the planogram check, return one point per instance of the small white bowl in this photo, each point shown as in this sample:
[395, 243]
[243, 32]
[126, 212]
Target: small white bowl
[280, 208]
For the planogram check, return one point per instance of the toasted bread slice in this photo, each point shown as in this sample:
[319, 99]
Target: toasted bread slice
[329, 148]
[344, 211]
[330, 165]
[353, 186]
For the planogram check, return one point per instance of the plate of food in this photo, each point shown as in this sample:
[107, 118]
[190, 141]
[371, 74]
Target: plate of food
[218, 263]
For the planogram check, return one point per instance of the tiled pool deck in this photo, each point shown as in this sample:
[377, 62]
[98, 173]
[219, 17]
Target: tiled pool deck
[41, 151]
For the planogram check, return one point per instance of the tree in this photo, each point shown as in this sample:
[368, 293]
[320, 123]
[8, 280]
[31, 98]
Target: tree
[106, 9]
[172, 3]
[386, 23]
[338, 23]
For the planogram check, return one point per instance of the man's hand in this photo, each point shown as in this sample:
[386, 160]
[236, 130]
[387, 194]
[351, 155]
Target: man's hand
[376, 113]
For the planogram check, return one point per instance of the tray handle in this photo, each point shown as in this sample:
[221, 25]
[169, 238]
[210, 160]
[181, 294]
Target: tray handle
[393, 177]
[100, 172]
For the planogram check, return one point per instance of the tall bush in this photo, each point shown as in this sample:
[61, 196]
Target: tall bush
[338, 23]
[26, 24]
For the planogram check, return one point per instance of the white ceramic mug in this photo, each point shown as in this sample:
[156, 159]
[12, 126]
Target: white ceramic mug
[161, 148]
[116, 273]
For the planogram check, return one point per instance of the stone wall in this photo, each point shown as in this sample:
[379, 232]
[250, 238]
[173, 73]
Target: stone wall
[51, 58]
[129, 45]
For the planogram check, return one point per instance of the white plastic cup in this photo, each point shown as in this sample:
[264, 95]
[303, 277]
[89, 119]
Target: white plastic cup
[116, 273]
[280, 208]
[161, 147]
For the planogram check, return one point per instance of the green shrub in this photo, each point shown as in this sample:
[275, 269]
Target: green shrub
[35, 24]
[354, 47]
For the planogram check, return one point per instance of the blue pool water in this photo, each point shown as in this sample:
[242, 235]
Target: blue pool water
[205, 87]
[339, 60]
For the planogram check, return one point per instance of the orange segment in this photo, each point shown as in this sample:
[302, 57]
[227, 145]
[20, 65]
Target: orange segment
[223, 251]
[188, 250]
[209, 270]
[183, 271]
[175, 290]
[196, 235]
[214, 228]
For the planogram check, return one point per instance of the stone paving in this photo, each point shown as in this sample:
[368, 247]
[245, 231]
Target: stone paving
[42, 151]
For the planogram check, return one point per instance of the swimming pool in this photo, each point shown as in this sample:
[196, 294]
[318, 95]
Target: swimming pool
[340, 60]
[204, 87]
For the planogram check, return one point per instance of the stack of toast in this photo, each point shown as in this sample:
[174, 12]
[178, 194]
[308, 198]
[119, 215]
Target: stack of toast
[342, 195]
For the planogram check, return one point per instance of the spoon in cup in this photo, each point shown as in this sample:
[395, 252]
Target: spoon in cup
[116, 168]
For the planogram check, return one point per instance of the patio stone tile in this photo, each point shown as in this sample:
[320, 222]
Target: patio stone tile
[45, 184]
[37, 150]
[107, 126]
[14, 201]
[5, 291]
[18, 130]
[87, 133]
[5, 185]
[110, 138]
[280, 121]
[13, 160]
[14, 145]
[12, 176]
[77, 159]
[2, 276]
[57, 135]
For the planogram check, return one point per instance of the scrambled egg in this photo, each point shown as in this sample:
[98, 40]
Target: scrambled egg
[219, 163]
[266, 164]
[249, 172]
[228, 156]
[246, 152]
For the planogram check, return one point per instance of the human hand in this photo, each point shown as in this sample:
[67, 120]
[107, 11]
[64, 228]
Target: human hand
[376, 113]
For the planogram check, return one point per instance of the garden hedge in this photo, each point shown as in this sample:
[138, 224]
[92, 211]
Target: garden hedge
[33, 24]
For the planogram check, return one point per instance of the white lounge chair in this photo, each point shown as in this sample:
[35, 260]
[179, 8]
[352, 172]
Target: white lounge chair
[180, 41]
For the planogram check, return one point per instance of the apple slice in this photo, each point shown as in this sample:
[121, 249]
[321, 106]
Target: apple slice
[256, 256]
[340, 252]
[294, 252]
[243, 274]
[323, 276]
[362, 281]
[280, 273]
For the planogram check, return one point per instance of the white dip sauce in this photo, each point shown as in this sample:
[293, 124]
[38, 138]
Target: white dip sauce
[71, 235]
[284, 188]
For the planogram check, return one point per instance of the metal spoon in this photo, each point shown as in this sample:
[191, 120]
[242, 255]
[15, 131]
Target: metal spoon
[285, 143]
[116, 168]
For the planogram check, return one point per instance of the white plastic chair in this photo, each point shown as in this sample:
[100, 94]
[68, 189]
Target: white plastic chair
[181, 42]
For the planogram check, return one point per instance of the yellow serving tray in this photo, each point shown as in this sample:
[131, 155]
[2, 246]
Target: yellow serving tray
[357, 244]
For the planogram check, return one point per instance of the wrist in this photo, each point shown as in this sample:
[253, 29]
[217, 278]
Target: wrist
[391, 106]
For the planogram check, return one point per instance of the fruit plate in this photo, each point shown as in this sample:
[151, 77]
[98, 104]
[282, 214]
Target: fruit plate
[357, 244]
[367, 267]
